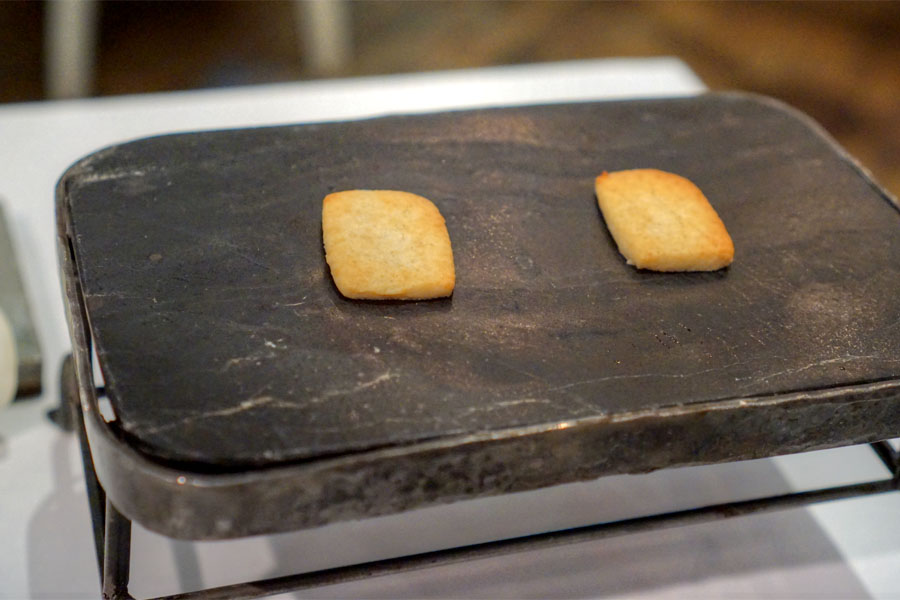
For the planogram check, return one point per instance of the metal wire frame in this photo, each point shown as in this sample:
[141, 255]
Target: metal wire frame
[112, 531]
[258, 589]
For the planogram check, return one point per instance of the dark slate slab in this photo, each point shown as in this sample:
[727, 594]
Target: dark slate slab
[225, 345]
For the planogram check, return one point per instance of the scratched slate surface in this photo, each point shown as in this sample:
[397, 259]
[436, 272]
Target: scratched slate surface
[224, 343]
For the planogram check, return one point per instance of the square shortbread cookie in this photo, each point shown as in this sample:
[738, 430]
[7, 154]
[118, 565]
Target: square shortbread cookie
[384, 244]
[663, 222]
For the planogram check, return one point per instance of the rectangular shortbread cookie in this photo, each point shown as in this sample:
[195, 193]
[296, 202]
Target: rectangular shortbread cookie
[384, 244]
[663, 222]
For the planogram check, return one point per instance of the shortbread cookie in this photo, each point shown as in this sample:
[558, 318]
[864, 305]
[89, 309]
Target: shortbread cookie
[663, 222]
[384, 244]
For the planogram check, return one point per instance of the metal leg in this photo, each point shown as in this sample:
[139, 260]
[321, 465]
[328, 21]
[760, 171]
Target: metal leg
[112, 531]
[66, 414]
[889, 456]
[96, 495]
[117, 555]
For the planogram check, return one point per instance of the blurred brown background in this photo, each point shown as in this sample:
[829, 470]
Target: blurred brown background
[837, 61]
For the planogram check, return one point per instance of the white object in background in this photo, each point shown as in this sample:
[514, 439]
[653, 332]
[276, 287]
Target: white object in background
[9, 364]
[70, 40]
[71, 29]
[325, 34]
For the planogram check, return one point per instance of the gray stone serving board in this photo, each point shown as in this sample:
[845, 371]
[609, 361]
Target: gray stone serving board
[224, 344]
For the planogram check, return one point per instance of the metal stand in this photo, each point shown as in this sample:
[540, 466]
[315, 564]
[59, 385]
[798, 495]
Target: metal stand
[112, 530]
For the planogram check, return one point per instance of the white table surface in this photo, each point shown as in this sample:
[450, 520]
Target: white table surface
[842, 549]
